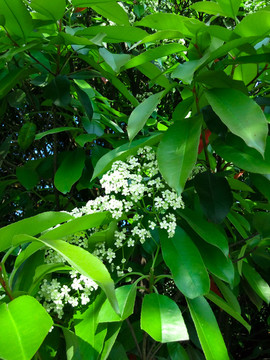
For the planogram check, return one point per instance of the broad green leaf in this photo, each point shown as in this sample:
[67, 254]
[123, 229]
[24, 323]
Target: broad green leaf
[155, 53]
[118, 352]
[26, 135]
[261, 222]
[77, 348]
[228, 295]
[88, 3]
[24, 325]
[161, 318]
[58, 90]
[85, 138]
[232, 217]
[161, 35]
[182, 108]
[236, 151]
[84, 100]
[230, 7]
[255, 24]
[241, 115]
[185, 71]
[27, 176]
[112, 11]
[236, 184]
[262, 184]
[154, 74]
[70, 170]
[114, 34]
[112, 333]
[258, 284]
[78, 224]
[18, 21]
[226, 307]
[214, 194]
[17, 98]
[122, 152]
[31, 226]
[125, 296]
[141, 113]
[177, 352]
[82, 261]
[50, 8]
[251, 59]
[178, 151]
[12, 78]
[209, 7]
[207, 329]
[56, 131]
[206, 230]
[115, 61]
[76, 40]
[185, 263]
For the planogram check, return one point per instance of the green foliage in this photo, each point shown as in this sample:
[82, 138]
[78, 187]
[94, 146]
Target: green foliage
[169, 102]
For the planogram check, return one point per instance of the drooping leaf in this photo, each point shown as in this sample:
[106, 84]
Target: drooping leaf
[84, 100]
[24, 325]
[185, 263]
[26, 135]
[141, 113]
[115, 61]
[112, 11]
[207, 329]
[258, 284]
[178, 151]
[58, 90]
[50, 8]
[70, 170]
[161, 318]
[214, 194]
[241, 115]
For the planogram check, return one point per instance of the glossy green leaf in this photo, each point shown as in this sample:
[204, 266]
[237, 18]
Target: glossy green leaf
[84, 100]
[160, 35]
[255, 59]
[228, 295]
[214, 194]
[31, 226]
[77, 348]
[112, 333]
[262, 184]
[56, 131]
[182, 108]
[257, 23]
[226, 307]
[50, 8]
[70, 170]
[185, 263]
[236, 151]
[125, 296]
[209, 7]
[185, 71]
[206, 230]
[26, 135]
[141, 113]
[154, 74]
[112, 11]
[27, 176]
[82, 261]
[230, 7]
[207, 329]
[58, 91]
[258, 284]
[241, 115]
[18, 21]
[178, 151]
[85, 3]
[161, 318]
[24, 326]
[115, 61]
[236, 184]
[85, 138]
[13, 78]
[155, 53]
[122, 152]
[177, 352]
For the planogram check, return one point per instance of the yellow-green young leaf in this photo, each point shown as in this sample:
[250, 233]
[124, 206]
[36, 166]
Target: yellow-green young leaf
[50, 8]
[70, 170]
[258, 284]
[256, 24]
[241, 115]
[161, 318]
[209, 7]
[112, 11]
[24, 325]
[185, 263]
[207, 329]
[31, 226]
[229, 7]
[141, 113]
[178, 151]
[18, 21]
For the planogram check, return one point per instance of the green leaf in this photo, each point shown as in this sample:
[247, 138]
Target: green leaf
[125, 296]
[27, 176]
[251, 59]
[155, 53]
[24, 326]
[50, 8]
[215, 196]
[209, 232]
[87, 3]
[239, 185]
[31, 226]
[13, 78]
[115, 61]
[258, 284]
[85, 138]
[185, 71]
[207, 329]
[182, 109]
[70, 170]
[112, 333]
[16, 98]
[234, 150]
[122, 152]
[261, 221]
[58, 90]
[262, 184]
[185, 263]
[112, 11]
[178, 151]
[77, 348]
[18, 21]
[141, 113]
[55, 131]
[228, 295]
[255, 24]
[82, 261]
[26, 135]
[208, 7]
[177, 352]
[84, 99]
[154, 74]
[161, 318]
[241, 115]
[226, 307]
[230, 7]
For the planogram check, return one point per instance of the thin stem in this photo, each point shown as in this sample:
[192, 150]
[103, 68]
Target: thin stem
[257, 75]
[155, 351]
[134, 338]
[244, 240]
[7, 255]
[144, 357]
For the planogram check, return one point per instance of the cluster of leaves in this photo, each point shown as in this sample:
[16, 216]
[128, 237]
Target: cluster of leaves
[87, 82]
